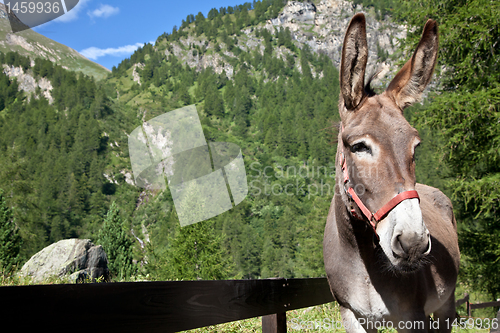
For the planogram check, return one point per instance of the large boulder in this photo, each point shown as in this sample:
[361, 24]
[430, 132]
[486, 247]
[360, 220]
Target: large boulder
[75, 259]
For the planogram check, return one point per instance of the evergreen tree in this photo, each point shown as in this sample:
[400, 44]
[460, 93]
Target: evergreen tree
[53, 156]
[241, 110]
[117, 244]
[465, 116]
[10, 239]
[242, 242]
[8, 91]
[200, 24]
[214, 104]
[196, 253]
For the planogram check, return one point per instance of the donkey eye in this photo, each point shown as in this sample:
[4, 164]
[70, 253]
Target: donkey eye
[360, 147]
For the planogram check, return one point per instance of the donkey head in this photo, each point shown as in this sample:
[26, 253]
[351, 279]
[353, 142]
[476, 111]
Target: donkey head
[378, 144]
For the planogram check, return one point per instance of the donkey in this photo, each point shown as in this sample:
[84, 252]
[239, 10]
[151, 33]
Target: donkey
[396, 266]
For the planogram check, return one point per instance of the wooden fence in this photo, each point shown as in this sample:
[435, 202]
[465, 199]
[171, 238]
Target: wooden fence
[170, 306]
[157, 306]
[472, 306]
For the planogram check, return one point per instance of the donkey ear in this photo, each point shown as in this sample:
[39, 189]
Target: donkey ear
[408, 85]
[353, 64]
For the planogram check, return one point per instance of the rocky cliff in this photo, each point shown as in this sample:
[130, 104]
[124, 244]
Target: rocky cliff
[321, 26]
[28, 83]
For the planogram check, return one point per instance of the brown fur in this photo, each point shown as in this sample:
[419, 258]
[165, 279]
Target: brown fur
[362, 278]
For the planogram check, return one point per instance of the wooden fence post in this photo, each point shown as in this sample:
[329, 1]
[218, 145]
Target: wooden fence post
[462, 300]
[275, 323]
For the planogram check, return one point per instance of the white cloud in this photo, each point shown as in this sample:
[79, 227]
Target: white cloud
[104, 11]
[95, 52]
[73, 13]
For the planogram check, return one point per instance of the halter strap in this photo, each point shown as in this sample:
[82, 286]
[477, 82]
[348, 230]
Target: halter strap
[373, 218]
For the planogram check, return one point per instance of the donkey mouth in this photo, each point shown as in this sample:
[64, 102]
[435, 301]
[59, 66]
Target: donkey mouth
[407, 267]
[411, 260]
[401, 265]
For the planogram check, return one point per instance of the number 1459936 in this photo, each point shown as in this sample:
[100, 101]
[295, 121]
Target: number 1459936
[473, 323]
[33, 7]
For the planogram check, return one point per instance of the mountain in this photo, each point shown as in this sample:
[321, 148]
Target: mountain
[320, 26]
[262, 75]
[32, 44]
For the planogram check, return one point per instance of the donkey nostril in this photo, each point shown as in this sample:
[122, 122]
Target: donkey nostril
[400, 243]
[410, 246]
[397, 247]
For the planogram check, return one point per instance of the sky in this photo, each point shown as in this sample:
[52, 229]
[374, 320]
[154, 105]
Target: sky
[108, 31]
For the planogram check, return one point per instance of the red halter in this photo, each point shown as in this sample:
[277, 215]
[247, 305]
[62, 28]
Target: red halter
[373, 218]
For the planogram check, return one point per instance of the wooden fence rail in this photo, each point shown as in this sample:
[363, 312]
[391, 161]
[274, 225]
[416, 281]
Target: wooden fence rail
[157, 306]
[472, 306]
[170, 306]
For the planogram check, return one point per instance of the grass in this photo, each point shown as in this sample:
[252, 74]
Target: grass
[125, 82]
[318, 319]
[15, 280]
[296, 319]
